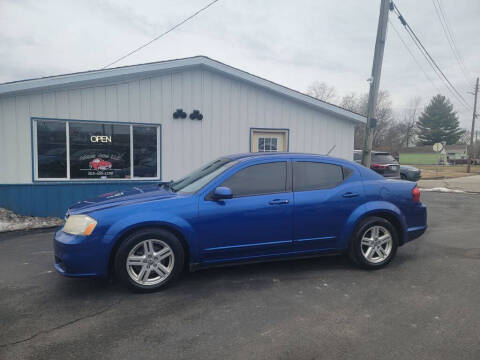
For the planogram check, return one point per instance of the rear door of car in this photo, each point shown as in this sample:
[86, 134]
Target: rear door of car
[325, 194]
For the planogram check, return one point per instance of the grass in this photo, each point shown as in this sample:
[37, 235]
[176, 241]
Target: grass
[419, 158]
[430, 172]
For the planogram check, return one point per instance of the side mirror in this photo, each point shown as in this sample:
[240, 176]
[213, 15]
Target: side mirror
[222, 192]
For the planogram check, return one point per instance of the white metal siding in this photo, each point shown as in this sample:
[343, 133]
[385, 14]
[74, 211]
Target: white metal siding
[230, 108]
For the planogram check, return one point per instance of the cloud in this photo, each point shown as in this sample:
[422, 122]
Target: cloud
[290, 42]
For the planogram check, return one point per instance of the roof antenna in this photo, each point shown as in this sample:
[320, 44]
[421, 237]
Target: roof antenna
[329, 151]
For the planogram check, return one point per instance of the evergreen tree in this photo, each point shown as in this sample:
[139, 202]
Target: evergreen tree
[438, 122]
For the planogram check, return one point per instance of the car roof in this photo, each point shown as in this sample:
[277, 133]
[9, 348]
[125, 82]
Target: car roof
[281, 154]
[374, 152]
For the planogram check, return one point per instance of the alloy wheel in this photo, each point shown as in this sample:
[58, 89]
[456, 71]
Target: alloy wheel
[376, 244]
[150, 262]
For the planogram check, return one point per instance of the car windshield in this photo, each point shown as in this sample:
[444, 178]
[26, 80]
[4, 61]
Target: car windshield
[200, 177]
[383, 158]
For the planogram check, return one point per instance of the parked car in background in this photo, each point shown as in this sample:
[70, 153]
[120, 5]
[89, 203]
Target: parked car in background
[382, 162]
[410, 173]
[462, 161]
[239, 208]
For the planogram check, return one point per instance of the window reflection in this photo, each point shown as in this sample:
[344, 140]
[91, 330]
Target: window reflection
[99, 150]
[51, 150]
[144, 151]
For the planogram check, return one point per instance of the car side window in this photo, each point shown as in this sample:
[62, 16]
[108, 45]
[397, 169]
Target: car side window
[309, 175]
[268, 178]
[347, 172]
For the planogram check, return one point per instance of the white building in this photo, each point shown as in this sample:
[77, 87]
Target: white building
[67, 137]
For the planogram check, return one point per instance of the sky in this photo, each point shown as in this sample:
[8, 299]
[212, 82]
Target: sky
[292, 43]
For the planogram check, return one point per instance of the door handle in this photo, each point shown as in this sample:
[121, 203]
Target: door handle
[278, 202]
[350, 194]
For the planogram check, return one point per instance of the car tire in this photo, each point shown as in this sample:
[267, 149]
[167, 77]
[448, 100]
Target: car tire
[149, 260]
[370, 233]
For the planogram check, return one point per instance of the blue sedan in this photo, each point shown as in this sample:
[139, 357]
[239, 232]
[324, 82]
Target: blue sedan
[240, 208]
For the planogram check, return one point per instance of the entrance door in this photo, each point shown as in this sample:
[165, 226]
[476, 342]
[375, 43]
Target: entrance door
[271, 140]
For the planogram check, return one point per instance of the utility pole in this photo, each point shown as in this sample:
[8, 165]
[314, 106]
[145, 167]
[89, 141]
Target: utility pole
[473, 128]
[375, 81]
[476, 144]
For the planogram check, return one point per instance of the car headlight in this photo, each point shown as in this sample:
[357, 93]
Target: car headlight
[79, 225]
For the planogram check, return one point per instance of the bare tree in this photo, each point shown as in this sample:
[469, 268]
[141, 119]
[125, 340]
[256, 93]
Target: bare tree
[350, 102]
[322, 91]
[465, 138]
[384, 116]
[410, 117]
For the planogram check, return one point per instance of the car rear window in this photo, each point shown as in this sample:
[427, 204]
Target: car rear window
[315, 176]
[383, 158]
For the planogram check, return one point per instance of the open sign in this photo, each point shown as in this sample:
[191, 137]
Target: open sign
[100, 138]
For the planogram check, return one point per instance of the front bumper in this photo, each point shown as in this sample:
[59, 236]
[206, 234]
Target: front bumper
[79, 256]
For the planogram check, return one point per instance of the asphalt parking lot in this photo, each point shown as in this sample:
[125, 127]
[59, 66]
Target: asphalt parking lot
[425, 305]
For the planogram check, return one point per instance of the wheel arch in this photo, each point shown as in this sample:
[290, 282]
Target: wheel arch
[165, 226]
[384, 210]
[393, 219]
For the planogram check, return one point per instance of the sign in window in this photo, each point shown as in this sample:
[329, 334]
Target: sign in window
[82, 150]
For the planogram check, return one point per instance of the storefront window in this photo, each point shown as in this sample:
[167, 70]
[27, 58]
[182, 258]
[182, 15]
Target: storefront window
[99, 151]
[51, 149]
[96, 150]
[144, 151]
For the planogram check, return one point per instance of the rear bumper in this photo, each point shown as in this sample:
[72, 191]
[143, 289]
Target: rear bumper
[418, 218]
[79, 256]
[391, 176]
[414, 177]
[415, 232]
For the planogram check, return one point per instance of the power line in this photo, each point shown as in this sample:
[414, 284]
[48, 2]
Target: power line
[429, 62]
[163, 34]
[430, 59]
[449, 29]
[413, 56]
[448, 35]
[436, 70]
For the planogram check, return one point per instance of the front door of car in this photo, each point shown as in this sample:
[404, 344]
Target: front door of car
[325, 195]
[258, 219]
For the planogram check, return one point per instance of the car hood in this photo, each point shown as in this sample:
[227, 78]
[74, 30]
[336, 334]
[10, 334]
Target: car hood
[120, 198]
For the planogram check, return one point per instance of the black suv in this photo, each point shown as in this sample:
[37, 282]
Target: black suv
[382, 162]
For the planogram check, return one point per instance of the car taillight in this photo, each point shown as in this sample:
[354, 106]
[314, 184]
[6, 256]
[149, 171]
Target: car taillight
[416, 194]
[379, 166]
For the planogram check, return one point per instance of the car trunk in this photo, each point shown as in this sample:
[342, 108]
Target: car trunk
[385, 164]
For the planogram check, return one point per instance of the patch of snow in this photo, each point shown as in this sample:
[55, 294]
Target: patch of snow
[443, 189]
[10, 221]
